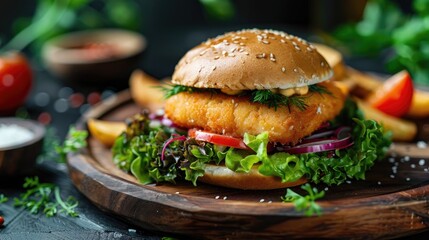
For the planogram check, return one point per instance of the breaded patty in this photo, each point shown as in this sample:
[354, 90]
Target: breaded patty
[236, 115]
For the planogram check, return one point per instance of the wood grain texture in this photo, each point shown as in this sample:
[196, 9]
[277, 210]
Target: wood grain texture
[392, 201]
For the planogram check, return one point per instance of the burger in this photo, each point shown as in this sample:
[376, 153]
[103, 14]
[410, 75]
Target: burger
[252, 109]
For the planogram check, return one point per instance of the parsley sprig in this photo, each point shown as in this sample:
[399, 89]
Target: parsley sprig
[3, 198]
[307, 203]
[75, 141]
[45, 197]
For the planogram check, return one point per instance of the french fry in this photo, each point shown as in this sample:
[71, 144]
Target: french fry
[402, 130]
[145, 91]
[105, 131]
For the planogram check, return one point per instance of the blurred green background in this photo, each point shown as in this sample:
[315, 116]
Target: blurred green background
[394, 33]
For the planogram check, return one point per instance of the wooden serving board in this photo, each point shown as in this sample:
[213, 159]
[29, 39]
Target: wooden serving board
[392, 201]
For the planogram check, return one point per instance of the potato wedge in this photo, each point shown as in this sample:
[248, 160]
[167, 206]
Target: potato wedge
[145, 91]
[419, 105]
[401, 129]
[105, 131]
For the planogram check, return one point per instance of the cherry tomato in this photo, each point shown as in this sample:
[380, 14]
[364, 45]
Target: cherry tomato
[1, 221]
[15, 81]
[394, 96]
[217, 139]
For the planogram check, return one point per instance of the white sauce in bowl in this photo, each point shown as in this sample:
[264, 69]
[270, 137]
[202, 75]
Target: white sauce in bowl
[13, 134]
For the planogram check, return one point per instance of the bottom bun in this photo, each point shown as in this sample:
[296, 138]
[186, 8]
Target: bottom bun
[253, 180]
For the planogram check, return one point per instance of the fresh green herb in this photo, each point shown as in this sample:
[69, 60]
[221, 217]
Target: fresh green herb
[307, 203]
[45, 197]
[316, 88]
[75, 141]
[276, 100]
[171, 90]
[55, 17]
[385, 28]
[265, 97]
[3, 198]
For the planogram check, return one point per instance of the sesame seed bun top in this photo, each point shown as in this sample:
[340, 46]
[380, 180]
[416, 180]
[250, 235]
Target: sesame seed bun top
[252, 59]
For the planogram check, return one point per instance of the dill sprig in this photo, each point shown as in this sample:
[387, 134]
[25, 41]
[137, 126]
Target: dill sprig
[171, 90]
[275, 100]
[319, 89]
[266, 97]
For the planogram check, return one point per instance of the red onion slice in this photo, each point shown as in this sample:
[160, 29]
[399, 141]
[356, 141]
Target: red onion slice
[324, 141]
[169, 141]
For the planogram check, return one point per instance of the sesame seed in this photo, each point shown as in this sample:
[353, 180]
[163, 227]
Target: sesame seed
[265, 42]
[392, 176]
[407, 158]
[225, 53]
[261, 55]
[348, 182]
[243, 38]
[272, 38]
[422, 162]
[217, 197]
[262, 200]
[177, 192]
[294, 43]
[407, 179]
[224, 198]
[282, 40]
[379, 183]
[246, 53]
[295, 70]
[291, 127]
[413, 165]
[421, 144]
[214, 68]
[326, 189]
[242, 44]
[319, 110]
[283, 69]
[203, 52]
[236, 42]
[297, 48]
[270, 201]
[216, 58]
[233, 50]
[310, 50]
[322, 64]
[240, 50]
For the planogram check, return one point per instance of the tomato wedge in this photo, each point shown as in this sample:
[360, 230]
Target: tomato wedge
[217, 139]
[394, 96]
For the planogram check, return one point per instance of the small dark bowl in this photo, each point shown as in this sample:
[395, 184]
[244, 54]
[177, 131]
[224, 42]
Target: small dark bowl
[20, 158]
[104, 57]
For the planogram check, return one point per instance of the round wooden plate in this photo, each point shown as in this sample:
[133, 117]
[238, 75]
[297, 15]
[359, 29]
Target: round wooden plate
[391, 202]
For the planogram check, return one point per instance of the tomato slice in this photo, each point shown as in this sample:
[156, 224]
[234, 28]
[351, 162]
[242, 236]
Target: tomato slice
[217, 139]
[394, 96]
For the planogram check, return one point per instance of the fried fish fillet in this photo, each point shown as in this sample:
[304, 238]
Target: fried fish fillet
[236, 115]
